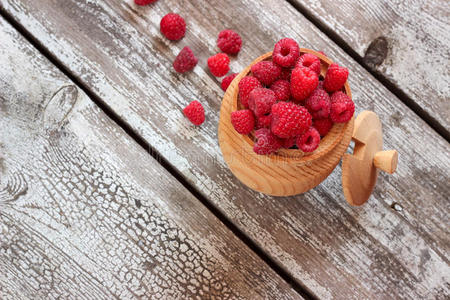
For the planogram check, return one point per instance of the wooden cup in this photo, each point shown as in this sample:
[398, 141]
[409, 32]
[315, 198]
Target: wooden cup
[288, 171]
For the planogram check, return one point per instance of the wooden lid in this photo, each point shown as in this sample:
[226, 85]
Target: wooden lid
[360, 169]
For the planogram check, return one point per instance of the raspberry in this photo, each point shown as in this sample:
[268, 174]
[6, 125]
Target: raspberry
[266, 72]
[323, 126]
[335, 78]
[144, 2]
[195, 112]
[320, 85]
[323, 53]
[289, 119]
[288, 143]
[285, 74]
[318, 104]
[266, 142]
[342, 108]
[263, 121]
[246, 85]
[286, 52]
[261, 100]
[229, 42]
[185, 60]
[310, 61]
[226, 81]
[173, 26]
[243, 121]
[303, 82]
[308, 141]
[219, 64]
[282, 89]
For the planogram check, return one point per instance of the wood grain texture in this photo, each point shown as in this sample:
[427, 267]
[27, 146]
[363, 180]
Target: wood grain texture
[406, 41]
[335, 250]
[86, 213]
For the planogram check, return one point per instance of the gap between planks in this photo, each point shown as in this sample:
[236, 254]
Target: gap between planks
[284, 274]
[398, 92]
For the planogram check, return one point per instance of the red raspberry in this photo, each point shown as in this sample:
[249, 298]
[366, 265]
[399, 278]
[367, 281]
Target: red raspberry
[173, 26]
[335, 78]
[246, 85]
[229, 42]
[282, 89]
[289, 142]
[310, 61]
[318, 104]
[303, 82]
[226, 81]
[185, 60]
[289, 119]
[320, 85]
[323, 126]
[308, 141]
[219, 64]
[266, 142]
[286, 52]
[323, 53]
[243, 121]
[263, 121]
[261, 100]
[195, 112]
[266, 72]
[144, 2]
[342, 108]
[285, 74]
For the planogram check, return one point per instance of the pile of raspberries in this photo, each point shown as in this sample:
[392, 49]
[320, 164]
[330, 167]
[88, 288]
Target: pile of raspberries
[173, 27]
[287, 104]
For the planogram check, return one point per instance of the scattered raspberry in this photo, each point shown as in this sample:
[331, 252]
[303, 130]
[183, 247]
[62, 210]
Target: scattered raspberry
[226, 81]
[308, 141]
[263, 121]
[266, 72]
[282, 89]
[246, 85]
[185, 60]
[310, 61]
[289, 119]
[195, 112]
[266, 142]
[285, 74]
[286, 52]
[342, 107]
[261, 100]
[229, 42]
[144, 2]
[335, 78]
[243, 121]
[219, 64]
[288, 143]
[303, 82]
[318, 104]
[323, 126]
[173, 26]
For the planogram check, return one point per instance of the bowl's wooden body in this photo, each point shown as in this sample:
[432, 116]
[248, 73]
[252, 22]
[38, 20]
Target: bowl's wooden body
[289, 171]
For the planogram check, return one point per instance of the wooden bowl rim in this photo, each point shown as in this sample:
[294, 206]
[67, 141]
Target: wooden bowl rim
[295, 155]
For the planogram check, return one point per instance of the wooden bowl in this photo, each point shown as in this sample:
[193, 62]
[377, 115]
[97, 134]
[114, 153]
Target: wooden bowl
[288, 171]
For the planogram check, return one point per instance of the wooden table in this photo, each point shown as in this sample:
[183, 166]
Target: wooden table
[106, 191]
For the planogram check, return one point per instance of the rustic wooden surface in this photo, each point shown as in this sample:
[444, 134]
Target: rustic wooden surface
[406, 41]
[83, 213]
[336, 251]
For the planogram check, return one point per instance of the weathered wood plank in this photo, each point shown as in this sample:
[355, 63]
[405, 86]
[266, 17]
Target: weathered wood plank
[86, 213]
[337, 251]
[408, 42]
